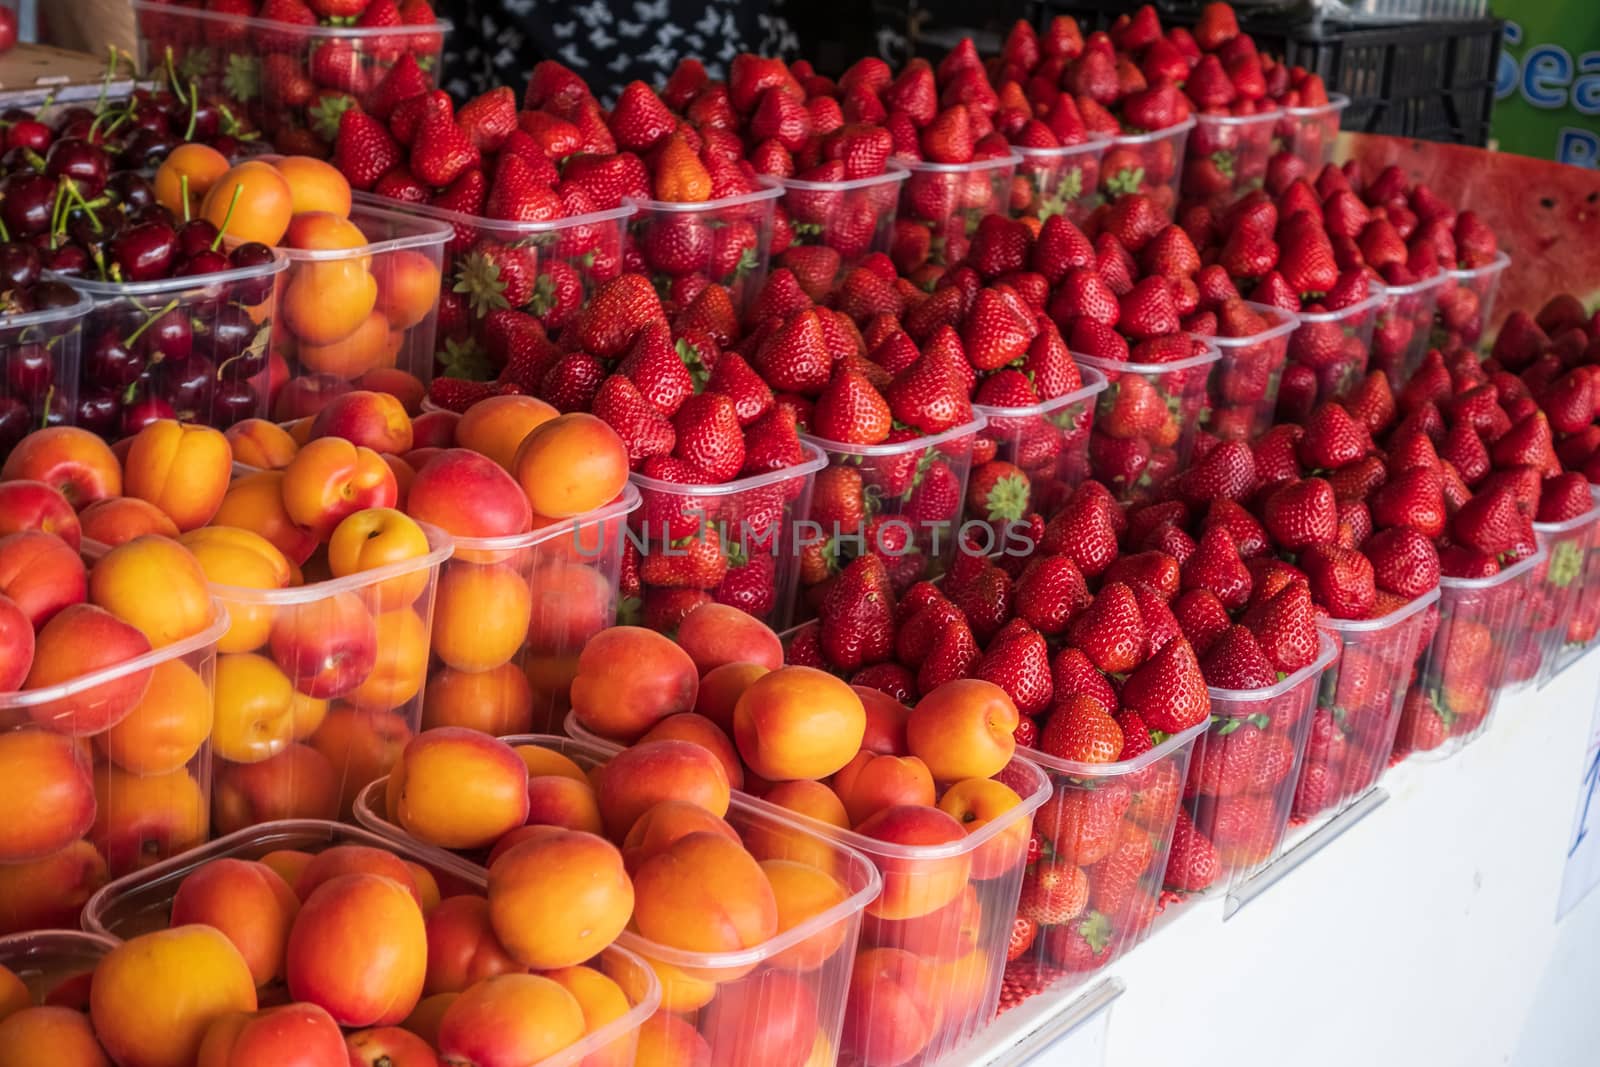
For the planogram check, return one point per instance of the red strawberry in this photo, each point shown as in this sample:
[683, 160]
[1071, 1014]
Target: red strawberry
[952, 655]
[1111, 630]
[1301, 513]
[1332, 439]
[615, 314]
[997, 330]
[1018, 662]
[1492, 522]
[488, 119]
[1236, 661]
[1192, 863]
[1167, 690]
[440, 151]
[694, 562]
[1081, 730]
[1286, 626]
[1053, 893]
[1404, 562]
[985, 600]
[364, 152]
[642, 428]
[1341, 580]
[1201, 617]
[929, 396]
[1050, 592]
[851, 411]
[857, 615]
[1413, 498]
[1216, 565]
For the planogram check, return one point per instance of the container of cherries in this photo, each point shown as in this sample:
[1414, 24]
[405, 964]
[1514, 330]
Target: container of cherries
[40, 337]
[181, 320]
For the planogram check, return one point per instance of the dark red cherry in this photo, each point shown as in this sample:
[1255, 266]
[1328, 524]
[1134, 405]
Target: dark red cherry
[84, 163]
[140, 414]
[100, 411]
[145, 252]
[29, 369]
[54, 294]
[234, 401]
[196, 236]
[20, 264]
[27, 202]
[203, 262]
[112, 363]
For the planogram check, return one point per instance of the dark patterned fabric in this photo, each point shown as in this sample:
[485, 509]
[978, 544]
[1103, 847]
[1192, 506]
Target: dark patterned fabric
[497, 42]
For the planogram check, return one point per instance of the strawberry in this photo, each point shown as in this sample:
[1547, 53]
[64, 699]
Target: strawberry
[1083, 532]
[1110, 631]
[1332, 439]
[1227, 472]
[936, 499]
[693, 562]
[1072, 672]
[1404, 561]
[571, 382]
[772, 443]
[1236, 661]
[642, 428]
[857, 615]
[1305, 259]
[1301, 513]
[1562, 497]
[997, 330]
[459, 394]
[1286, 626]
[364, 152]
[1081, 730]
[666, 374]
[851, 411]
[1053, 893]
[440, 151]
[1341, 580]
[1492, 522]
[1192, 862]
[490, 118]
[998, 492]
[709, 437]
[1082, 825]
[640, 121]
[929, 397]
[1216, 565]
[1201, 617]
[1167, 690]
[1413, 498]
[952, 655]
[795, 357]
[985, 600]
[615, 314]
[1018, 662]
[1050, 592]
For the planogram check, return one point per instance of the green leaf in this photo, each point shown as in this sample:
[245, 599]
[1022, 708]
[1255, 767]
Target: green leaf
[478, 279]
[1566, 564]
[465, 359]
[242, 81]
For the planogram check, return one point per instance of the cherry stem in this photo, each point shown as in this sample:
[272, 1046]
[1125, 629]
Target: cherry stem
[55, 212]
[5, 234]
[49, 396]
[133, 337]
[94, 220]
[238, 189]
[194, 109]
[183, 190]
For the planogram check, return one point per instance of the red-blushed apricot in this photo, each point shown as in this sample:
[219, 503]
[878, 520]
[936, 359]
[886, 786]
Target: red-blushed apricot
[58, 1036]
[571, 464]
[424, 1019]
[891, 1012]
[299, 1034]
[340, 860]
[359, 949]
[559, 872]
[699, 730]
[79, 640]
[945, 933]
[249, 902]
[389, 1046]
[297, 783]
[638, 778]
[462, 947]
[720, 689]
[511, 1020]
[290, 863]
[716, 634]
[665, 1040]
[119, 519]
[497, 702]
[556, 800]
[52, 891]
[181, 468]
[497, 426]
[480, 615]
[69, 459]
[14, 995]
[30, 505]
[154, 996]
[976, 802]
[963, 729]
[629, 679]
[704, 893]
[869, 783]
[602, 1002]
[768, 1019]
[803, 892]
[362, 746]
[458, 788]
[769, 840]
[469, 495]
[49, 799]
[886, 722]
[540, 760]
[665, 822]
[916, 887]
[327, 646]
[798, 722]
[166, 728]
[143, 819]
[42, 574]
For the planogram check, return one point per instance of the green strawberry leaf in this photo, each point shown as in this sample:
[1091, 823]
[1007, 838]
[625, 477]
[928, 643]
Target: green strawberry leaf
[478, 279]
[243, 78]
[1566, 564]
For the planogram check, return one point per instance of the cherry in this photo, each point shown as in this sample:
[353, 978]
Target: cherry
[29, 369]
[232, 330]
[230, 146]
[149, 213]
[15, 422]
[69, 260]
[201, 122]
[100, 411]
[30, 134]
[131, 189]
[54, 294]
[136, 417]
[57, 412]
[252, 291]
[15, 114]
[187, 385]
[196, 236]
[169, 336]
[205, 262]
[146, 148]
[91, 232]
[71, 116]
[148, 117]
[234, 401]
[85, 164]
[112, 363]
[19, 263]
[145, 251]
[27, 202]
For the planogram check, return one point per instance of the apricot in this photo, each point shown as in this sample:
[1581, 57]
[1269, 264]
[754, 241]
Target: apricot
[424, 1019]
[554, 800]
[497, 702]
[125, 580]
[142, 820]
[41, 575]
[717, 634]
[363, 417]
[390, 1046]
[469, 495]
[50, 892]
[289, 863]
[869, 783]
[720, 689]
[462, 947]
[48, 1034]
[699, 730]
[480, 615]
[255, 503]
[326, 302]
[542, 761]
[341, 860]
[118, 520]
[239, 558]
[261, 443]
[630, 678]
[16, 646]
[154, 996]
[798, 722]
[402, 664]
[362, 746]
[359, 949]
[768, 1019]
[408, 287]
[249, 902]
[80, 641]
[891, 1013]
[165, 730]
[963, 729]
[381, 538]
[30, 505]
[72, 461]
[288, 1033]
[913, 887]
[327, 646]
[49, 799]
[403, 386]
[190, 169]
[802, 893]
[665, 1040]
[181, 468]
[297, 783]
[329, 479]
[946, 932]
[570, 465]
[251, 202]
[976, 802]
[638, 778]
[561, 872]
[14, 995]
[665, 822]
[571, 603]
[704, 893]
[886, 722]
[459, 789]
[511, 1020]
[496, 426]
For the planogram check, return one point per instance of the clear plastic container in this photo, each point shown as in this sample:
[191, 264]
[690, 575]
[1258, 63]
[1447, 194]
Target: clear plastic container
[1582, 628]
[348, 312]
[1149, 163]
[753, 521]
[727, 241]
[1466, 304]
[1146, 420]
[39, 354]
[260, 66]
[346, 659]
[1358, 705]
[1244, 385]
[790, 989]
[1404, 328]
[55, 965]
[1227, 156]
[915, 489]
[1112, 822]
[1049, 441]
[854, 218]
[142, 904]
[570, 257]
[197, 348]
[1309, 133]
[1245, 767]
[946, 201]
[126, 755]
[1058, 181]
[1335, 345]
[1559, 588]
[572, 570]
[1462, 672]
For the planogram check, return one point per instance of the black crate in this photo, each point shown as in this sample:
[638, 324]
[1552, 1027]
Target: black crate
[1430, 80]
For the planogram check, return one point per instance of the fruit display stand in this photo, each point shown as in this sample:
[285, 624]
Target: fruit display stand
[726, 241]
[1336, 345]
[39, 354]
[737, 999]
[1244, 383]
[204, 339]
[1048, 441]
[946, 200]
[1058, 181]
[854, 217]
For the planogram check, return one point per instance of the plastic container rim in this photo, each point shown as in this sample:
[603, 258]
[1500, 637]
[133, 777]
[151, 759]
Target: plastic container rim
[814, 462]
[441, 546]
[274, 26]
[19, 942]
[1510, 574]
[977, 166]
[1095, 383]
[1556, 529]
[1106, 366]
[433, 232]
[27, 698]
[770, 190]
[1416, 287]
[1260, 117]
[1327, 652]
[1291, 322]
[1096, 142]
[104, 291]
[916, 444]
[1499, 263]
[619, 508]
[1374, 298]
[46, 316]
[1336, 102]
[1153, 136]
[1075, 769]
[484, 222]
[1382, 622]
[894, 171]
